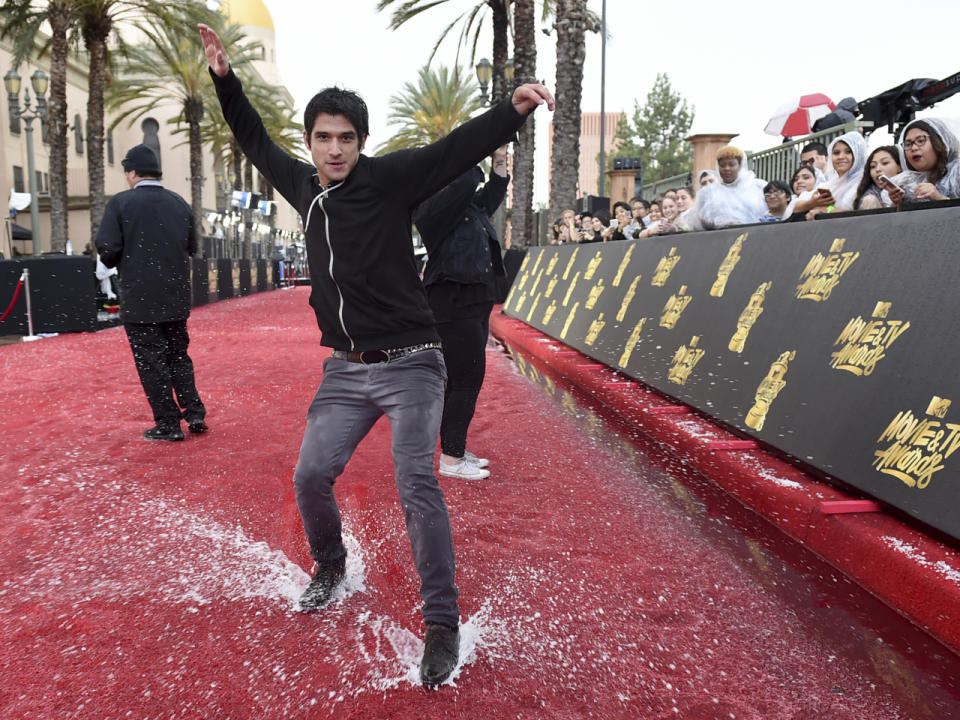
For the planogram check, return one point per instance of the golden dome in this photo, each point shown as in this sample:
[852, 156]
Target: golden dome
[252, 13]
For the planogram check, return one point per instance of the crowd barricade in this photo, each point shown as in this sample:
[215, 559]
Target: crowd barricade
[831, 343]
[62, 294]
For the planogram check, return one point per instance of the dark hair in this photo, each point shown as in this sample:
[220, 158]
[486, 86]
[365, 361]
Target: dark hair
[867, 180]
[336, 101]
[778, 185]
[689, 190]
[602, 216]
[817, 147]
[621, 203]
[941, 169]
[793, 178]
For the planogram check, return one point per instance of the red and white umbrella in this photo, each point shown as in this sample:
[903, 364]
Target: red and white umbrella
[798, 116]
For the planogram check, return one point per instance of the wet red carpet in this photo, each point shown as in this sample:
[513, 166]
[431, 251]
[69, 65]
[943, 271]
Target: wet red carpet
[598, 578]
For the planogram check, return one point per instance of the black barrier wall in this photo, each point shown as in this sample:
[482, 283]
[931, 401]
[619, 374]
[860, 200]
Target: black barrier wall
[63, 294]
[831, 341]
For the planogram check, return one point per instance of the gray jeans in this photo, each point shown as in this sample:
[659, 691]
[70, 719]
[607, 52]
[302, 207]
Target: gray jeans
[351, 397]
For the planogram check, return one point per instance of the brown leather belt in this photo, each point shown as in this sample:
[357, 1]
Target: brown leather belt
[368, 357]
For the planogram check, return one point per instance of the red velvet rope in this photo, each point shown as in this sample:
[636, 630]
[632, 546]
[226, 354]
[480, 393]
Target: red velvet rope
[16, 294]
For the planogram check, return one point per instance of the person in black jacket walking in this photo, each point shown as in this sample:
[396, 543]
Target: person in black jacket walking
[148, 234]
[372, 310]
[463, 262]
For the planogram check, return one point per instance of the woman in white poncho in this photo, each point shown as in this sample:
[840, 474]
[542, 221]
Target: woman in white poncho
[736, 200]
[931, 150]
[848, 157]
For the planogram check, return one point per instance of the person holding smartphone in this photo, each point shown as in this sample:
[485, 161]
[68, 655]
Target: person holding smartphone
[882, 164]
[931, 152]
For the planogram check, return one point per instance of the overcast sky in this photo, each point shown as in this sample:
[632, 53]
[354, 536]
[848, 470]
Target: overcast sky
[735, 62]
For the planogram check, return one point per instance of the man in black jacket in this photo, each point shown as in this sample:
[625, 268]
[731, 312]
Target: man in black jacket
[463, 262]
[148, 233]
[372, 310]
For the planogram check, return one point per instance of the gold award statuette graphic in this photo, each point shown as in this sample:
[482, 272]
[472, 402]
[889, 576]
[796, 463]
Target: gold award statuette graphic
[768, 390]
[594, 295]
[536, 265]
[533, 308]
[573, 285]
[632, 342]
[748, 317]
[520, 303]
[664, 268]
[727, 266]
[684, 360]
[551, 285]
[566, 325]
[592, 266]
[549, 312]
[536, 283]
[822, 274]
[865, 343]
[674, 308]
[570, 262]
[553, 262]
[627, 299]
[595, 327]
[623, 266]
[912, 449]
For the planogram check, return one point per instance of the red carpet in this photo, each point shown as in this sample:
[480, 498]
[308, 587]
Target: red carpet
[599, 577]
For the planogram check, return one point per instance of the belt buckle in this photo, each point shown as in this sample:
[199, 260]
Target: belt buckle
[382, 355]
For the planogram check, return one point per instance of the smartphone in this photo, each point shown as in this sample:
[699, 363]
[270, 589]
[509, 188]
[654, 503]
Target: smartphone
[890, 182]
[614, 222]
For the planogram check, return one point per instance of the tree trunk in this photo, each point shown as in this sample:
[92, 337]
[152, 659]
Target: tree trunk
[193, 114]
[60, 15]
[501, 28]
[571, 53]
[525, 64]
[96, 46]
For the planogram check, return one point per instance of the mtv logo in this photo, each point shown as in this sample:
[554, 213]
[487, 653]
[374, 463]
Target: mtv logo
[938, 407]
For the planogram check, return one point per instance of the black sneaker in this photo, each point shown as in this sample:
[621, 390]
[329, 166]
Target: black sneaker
[198, 427]
[325, 580]
[441, 650]
[160, 432]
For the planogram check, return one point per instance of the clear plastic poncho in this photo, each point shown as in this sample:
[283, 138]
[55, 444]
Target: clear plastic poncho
[844, 187]
[737, 203]
[949, 184]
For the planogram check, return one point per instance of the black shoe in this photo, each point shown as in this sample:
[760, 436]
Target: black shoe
[198, 427]
[441, 650]
[325, 580]
[161, 432]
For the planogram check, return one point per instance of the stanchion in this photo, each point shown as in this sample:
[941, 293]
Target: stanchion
[26, 286]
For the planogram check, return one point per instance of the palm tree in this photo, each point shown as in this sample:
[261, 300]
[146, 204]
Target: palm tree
[97, 19]
[472, 20]
[171, 66]
[571, 25]
[433, 107]
[525, 68]
[21, 20]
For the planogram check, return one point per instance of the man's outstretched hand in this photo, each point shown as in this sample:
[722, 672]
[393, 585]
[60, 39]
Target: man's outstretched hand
[214, 50]
[527, 97]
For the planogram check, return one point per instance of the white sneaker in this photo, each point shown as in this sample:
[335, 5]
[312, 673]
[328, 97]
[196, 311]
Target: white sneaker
[463, 469]
[478, 461]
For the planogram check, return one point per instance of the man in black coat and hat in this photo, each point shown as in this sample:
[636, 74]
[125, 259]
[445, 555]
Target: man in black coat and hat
[148, 234]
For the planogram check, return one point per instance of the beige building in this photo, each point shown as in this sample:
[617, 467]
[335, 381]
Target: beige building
[588, 182]
[258, 25]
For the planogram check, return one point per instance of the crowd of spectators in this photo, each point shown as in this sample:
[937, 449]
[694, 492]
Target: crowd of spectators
[843, 177]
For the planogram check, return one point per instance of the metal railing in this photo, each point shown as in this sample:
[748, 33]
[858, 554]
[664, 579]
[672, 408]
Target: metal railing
[780, 162]
[652, 190]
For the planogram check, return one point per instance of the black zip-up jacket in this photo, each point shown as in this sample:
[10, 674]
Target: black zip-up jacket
[149, 235]
[366, 290]
[461, 242]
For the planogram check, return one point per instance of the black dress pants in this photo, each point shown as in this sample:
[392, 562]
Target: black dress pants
[165, 369]
[464, 342]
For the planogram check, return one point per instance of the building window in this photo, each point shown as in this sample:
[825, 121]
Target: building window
[18, 179]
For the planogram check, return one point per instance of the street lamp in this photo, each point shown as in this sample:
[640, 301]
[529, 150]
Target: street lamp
[39, 81]
[484, 74]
